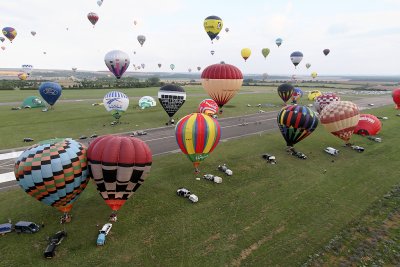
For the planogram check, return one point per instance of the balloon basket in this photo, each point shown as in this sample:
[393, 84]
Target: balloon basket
[113, 217]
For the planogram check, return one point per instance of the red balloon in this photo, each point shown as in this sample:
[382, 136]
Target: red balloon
[208, 106]
[119, 166]
[93, 18]
[396, 97]
[368, 125]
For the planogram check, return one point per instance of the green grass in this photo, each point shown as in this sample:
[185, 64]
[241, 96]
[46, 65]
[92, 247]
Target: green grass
[81, 118]
[264, 215]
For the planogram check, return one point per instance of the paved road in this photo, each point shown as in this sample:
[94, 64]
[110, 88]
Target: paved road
[162, 140]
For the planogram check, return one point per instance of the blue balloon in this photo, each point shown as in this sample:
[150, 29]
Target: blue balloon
[50, 92]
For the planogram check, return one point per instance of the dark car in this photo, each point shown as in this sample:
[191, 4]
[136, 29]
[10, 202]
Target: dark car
[83, 137]
[26, 227]
[27, 139]
[299, 155]
[93, 136]
[54, 241]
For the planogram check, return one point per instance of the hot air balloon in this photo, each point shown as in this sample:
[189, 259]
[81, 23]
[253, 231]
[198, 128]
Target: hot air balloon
[22, 76]
[221, 81]
[99, 3]
[368, 125]
[27, 69]
[313, 94]
[119, 165]
[246, 52]
[198, 68]
[226, 29]
[197, 135]
[141, 39]
[50, 92]
[146, 102]
[2, 39]
[314, 74]
[308, 65]
[326, 51]
[171, 98]
[325, 99]
[74, 69]
[296, 58]
[143, 65]
[208, 107]
[33, 33]
[117, 62]
[212, 52]
[265, 76]
[134, 52]
[93, 18]
[396, 97]
[340, 119]
[10, 33]
[213, 25]
[138, 67]
[285, 91]
[265, 52]
[44, 52]
[54, 172]
[159, 65]
[116, 102]
[3, 47]
[172, 66]
[296, 123]
[297, 94]
[189, 70]
[217, 38]
[278, 42]
[135, 22]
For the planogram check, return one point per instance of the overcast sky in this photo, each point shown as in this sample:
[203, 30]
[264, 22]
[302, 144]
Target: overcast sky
[361, 34]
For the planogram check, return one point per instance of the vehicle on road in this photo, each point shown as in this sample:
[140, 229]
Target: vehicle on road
[5, 228]
[138, 133]
[101, 238]
[54, 241]
[331, 151]
[26, 227]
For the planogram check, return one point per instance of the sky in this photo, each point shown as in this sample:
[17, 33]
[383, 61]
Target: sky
[362, 35]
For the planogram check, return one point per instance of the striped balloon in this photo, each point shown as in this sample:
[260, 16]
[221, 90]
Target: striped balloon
[325, 99]
[197, 135]
[208, 107]
[340, 119]
[285, 91]
[296, 123]
[54, 172]
[119, 166]
[117, 62]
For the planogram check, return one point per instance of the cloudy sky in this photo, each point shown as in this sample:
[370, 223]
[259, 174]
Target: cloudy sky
[362, 35]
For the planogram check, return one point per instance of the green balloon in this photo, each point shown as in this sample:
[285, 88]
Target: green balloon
[265, 52]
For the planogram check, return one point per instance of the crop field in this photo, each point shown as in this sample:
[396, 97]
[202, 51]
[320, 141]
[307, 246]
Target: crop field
[263, 215]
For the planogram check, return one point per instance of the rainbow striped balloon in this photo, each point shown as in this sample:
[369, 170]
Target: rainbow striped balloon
[197, 135]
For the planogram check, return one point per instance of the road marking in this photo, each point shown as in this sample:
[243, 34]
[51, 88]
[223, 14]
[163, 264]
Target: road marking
[7, 177]
[11, 155]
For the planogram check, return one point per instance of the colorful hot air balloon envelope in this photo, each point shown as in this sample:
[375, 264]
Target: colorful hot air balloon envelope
[54, 172]
[2, 39]
[340, 119]
[171, 98]
[326, 51]
[208, 107]
[296, 58]
[197, 136]
[117, 62]
[119, 165]
[93, 18]
[265, 52]
[308, 65]
[246, 52]
[172, 66]
[10, 33]
[147, 102]
[221, 82]
[50, 92]
[27, 69]
[141, 39]
[22, 76]
[296, 123]
[313, 94]
[325, 99]
[314, 74]
[278, 42]
[396, 97]
[213, 25]
[297, 94]
[116, 102]
[368, 125]
[285, 91]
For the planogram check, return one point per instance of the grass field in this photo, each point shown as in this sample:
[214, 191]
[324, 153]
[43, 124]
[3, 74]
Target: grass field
[264, 215]
[81, 118]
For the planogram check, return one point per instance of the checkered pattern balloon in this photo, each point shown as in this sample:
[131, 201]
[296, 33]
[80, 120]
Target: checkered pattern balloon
[324, 100]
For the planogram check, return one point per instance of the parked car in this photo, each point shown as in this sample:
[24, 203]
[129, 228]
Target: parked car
[209, 177]
[269, 158]
[54, 241]
[82, 137]
[183, 192]
[299, 155]
[376, 139]
[193, 198]
[26, 227]
[138, 133]
[331, 151]
[28, 139]
[93, 136]
[101, 238]
[358, 148]
[5, 228]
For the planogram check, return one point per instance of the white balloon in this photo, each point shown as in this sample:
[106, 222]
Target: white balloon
[115, 100]
[117, 62]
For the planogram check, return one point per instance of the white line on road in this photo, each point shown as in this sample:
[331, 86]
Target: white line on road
[11, 155]
[6, 177]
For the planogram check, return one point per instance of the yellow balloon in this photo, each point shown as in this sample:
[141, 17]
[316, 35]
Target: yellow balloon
[213, 25]
[246, 52]
[313, 94]
[314, 75]
[23, 76]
